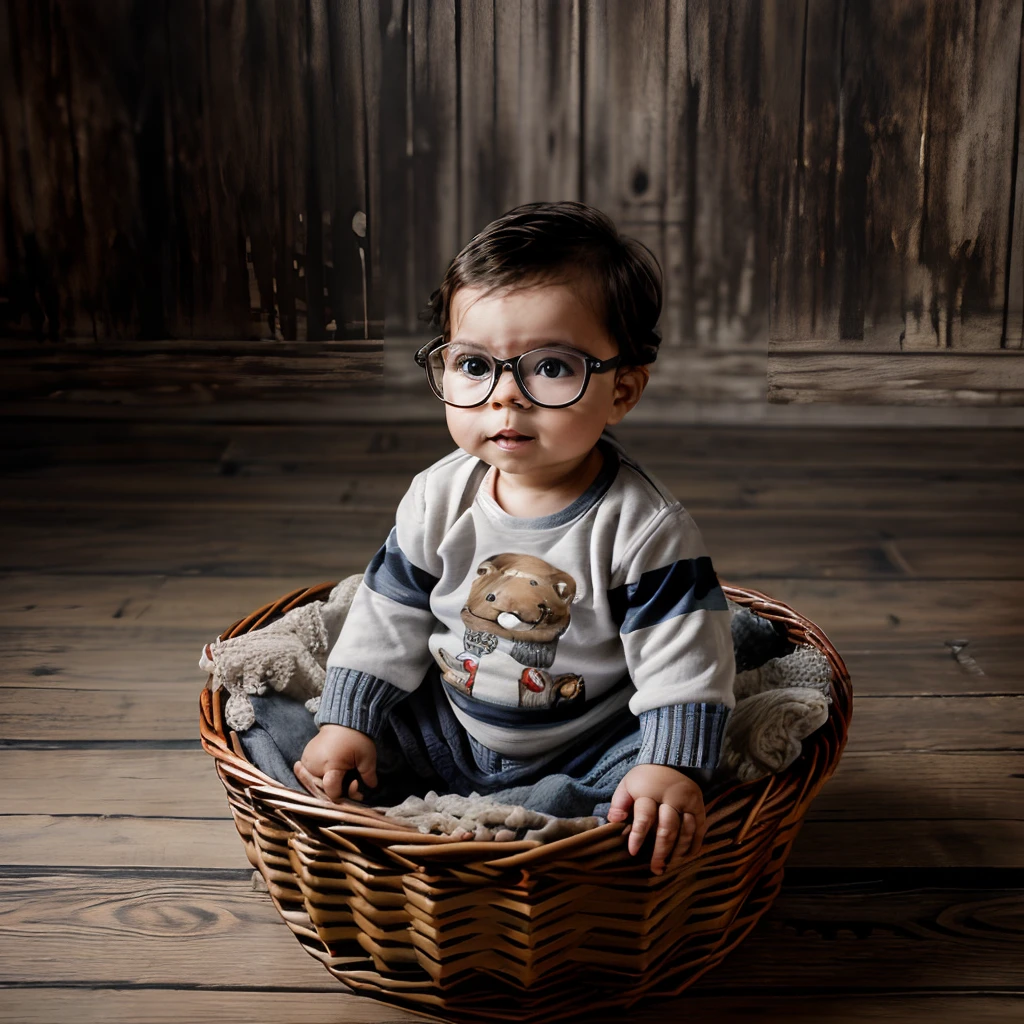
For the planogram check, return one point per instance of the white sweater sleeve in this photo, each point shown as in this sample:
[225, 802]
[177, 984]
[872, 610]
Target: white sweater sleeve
[381, 655]
[674, 625]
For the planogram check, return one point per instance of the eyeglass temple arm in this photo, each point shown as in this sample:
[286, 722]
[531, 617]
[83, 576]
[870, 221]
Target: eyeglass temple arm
[425, 350]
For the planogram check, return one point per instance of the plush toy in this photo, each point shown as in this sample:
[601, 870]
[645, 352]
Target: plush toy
[289, 656]
[782, 696]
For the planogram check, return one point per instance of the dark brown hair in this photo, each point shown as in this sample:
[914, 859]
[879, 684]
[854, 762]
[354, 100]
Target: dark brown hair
[564, 242]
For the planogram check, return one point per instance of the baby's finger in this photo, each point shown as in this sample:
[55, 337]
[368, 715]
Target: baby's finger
[645, 814]
[665, 841]
[687, 832]
[334, 784]
[622, 801]
[352, 785]
[309, 780]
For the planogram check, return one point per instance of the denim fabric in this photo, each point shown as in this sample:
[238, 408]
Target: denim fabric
[424, 747]
[565, 783]
[282, 730]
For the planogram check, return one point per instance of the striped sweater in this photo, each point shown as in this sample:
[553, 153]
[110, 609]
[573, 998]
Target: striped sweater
[542, 628]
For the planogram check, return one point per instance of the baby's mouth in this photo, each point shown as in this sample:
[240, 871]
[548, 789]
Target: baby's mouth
[509, 438]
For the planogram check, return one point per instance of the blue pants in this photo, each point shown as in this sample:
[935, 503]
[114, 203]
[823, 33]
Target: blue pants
[424, 747]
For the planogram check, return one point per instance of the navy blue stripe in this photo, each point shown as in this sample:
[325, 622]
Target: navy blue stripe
[524, 718]
[358, 700]
[392, 575]
[660, 594]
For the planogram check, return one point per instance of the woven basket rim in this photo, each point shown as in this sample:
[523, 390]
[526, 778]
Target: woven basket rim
[350, 816]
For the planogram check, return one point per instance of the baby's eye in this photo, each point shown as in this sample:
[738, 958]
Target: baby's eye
[475, 367]
[549, 366]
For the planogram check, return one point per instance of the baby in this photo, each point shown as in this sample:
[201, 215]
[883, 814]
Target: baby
[540, 595]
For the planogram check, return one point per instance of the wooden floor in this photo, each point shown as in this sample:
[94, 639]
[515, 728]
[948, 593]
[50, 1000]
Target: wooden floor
[127, 545]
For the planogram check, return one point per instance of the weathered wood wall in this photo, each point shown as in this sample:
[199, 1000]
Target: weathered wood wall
[898, 240]
[190, 169]
[648, 109]
[852, 172]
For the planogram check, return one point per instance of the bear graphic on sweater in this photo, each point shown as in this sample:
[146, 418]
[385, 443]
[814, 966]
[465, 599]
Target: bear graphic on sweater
[518, 604]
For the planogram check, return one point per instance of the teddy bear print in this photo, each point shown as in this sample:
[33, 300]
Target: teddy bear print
[521, 605]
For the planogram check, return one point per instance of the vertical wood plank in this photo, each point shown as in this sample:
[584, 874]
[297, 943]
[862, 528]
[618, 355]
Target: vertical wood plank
[1013, 330]
[972, 103]
[227, 145]
[190, 197]
[624, 129]
[372, 205]
[737, 269]
[725, 255]
[17, 214]
[290, 159]
[625, 111]
[515, 109]
[320, 164]
[436, 228]
[537, 57]
[787, 54]
[398, 281]
[260, 135]
[349, 254]
[678, 321]
[478, 194]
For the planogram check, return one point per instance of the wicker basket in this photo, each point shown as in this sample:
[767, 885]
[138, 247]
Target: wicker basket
[519, 931]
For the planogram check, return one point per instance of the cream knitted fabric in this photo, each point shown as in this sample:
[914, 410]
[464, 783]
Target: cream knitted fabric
[806, 666]
[288, 656]
[778, 705]
[480, 818]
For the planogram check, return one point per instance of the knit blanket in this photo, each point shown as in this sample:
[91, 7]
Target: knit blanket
[782, 696]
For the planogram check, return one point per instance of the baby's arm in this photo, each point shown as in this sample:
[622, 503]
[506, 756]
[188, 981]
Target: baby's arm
[381, 655]
[675, 628]
[334, 751]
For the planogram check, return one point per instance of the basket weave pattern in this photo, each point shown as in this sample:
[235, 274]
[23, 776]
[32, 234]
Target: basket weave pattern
[517, 931]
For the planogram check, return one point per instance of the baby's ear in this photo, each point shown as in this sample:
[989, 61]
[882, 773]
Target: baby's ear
[630, 382]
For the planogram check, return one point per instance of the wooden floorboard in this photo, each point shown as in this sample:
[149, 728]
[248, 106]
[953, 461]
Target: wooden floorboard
[127, 544]
[170, 930]
[144, 710]
[886, 614]
[793, 544]
[41, 1005]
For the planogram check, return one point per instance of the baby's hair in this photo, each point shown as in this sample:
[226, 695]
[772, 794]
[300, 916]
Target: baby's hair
[564, 243]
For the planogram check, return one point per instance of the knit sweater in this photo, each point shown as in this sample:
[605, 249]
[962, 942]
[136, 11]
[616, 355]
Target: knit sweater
[542, 628]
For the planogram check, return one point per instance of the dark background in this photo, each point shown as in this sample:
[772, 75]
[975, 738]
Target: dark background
[302, 171]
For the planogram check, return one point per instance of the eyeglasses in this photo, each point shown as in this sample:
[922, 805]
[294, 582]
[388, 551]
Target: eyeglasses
[551, 377]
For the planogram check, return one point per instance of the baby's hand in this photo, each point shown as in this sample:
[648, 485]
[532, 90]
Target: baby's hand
[333, 751]
[662, 795]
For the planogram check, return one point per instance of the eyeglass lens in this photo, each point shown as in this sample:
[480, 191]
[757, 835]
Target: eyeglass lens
[463, 376]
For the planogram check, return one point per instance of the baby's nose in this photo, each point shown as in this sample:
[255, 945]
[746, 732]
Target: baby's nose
[507, 392]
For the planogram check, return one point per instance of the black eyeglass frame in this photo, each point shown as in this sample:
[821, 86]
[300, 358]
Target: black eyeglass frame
[592, 364]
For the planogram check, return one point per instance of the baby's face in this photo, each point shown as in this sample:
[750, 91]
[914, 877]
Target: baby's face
[510, 432]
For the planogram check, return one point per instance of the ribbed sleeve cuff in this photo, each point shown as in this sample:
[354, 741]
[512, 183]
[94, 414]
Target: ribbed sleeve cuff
[358, 700]
[682, 735]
